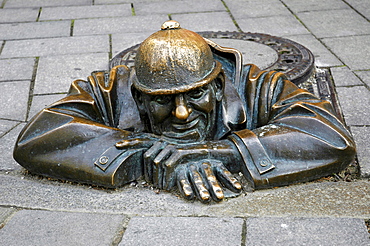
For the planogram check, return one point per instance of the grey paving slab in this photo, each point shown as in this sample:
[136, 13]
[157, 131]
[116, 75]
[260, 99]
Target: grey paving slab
[5, 214]
[354, 102]
[306, 231]
[122, 41]
[79, 12]
[35, 30]
[124, 1]
[55, 74]
[335, 23]
[324, 199]
[361, 136]
[256, 8]
[275, 25]
[153, 231]
[171, 7]
[44, 3]
[344, 77]
[56, 46]
[6, 125]
[129, 24]
[40, 102]
[312, 5]
[7, 163]
[214, 21]
[261, 55]
[14, 99]
[364, 76]
[323, 57]
[361, 6]
[354, 51]
[18, 15]
[32, 227]
[16, 69]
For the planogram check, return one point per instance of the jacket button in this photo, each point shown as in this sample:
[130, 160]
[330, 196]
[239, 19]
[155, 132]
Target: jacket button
[103, 160]
[264, 163]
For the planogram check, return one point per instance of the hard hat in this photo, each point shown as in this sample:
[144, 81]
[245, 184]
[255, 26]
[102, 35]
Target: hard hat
[174, 60]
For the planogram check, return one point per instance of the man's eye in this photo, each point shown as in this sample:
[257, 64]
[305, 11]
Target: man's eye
[196, 93]
[162, 99]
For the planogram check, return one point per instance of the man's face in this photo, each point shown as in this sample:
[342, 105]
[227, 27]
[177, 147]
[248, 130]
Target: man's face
[184, 117]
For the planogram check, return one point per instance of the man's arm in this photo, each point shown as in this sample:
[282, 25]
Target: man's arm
[75, 138]
[291, 135]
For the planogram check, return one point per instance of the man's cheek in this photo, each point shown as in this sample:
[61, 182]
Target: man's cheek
[159, 112]
[205, 105]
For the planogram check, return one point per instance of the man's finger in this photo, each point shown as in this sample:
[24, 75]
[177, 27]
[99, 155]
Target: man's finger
[227, 178]
[213, 186]
[127, 143]
[198, 185]
[149, 155]
[184, 185]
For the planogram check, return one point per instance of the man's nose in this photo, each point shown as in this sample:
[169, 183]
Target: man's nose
[182, 111]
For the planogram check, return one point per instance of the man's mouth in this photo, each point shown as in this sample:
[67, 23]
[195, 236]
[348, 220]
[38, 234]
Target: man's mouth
[187, 125]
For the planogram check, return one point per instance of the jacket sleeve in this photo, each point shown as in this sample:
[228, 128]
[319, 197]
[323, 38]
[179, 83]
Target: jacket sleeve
[291, 135]
[74, 138]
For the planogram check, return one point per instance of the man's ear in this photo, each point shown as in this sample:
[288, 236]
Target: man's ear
[220, 85]
[139, 100]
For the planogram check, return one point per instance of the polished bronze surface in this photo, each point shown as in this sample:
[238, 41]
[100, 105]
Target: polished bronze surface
[188, 115]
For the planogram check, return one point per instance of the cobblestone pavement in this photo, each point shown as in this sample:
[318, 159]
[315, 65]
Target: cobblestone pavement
[46, 44]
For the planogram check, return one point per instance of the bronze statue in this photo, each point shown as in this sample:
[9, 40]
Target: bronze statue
[186, 115]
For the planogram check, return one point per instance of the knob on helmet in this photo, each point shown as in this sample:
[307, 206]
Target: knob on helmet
[174, 60]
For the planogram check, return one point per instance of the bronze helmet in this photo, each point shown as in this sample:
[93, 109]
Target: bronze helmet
[174, 60]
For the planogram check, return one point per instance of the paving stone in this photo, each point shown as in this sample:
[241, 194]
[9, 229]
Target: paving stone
[34, 227]
[323, 57]
[312, 5]
[361, 136]
[124, 41]
[6, 125]
[44, 3]
[56, 46]
[96, 2]
[171, 7]
[18, 15]
[5, 213]
[354, 102]
[7, 163]
[365, 76]
[351, 50]
[56, 73]
[361, 6]
[40, 102]
[242, 9]
[258, 54]
[306, 231]
[214, 21]
[14, 99]
[35, 30]
[153, 231]
[79, 12]
[16, 69]
[276, 25]
[135, 24]
[334, 23]
[344, 77]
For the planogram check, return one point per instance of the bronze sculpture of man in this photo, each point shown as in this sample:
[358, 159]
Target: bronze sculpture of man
[186, 116]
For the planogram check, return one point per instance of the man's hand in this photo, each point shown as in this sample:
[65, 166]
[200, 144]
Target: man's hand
[162, 158]
[203, 179]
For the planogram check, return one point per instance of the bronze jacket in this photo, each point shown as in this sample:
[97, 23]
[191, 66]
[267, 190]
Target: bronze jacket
[284, 134]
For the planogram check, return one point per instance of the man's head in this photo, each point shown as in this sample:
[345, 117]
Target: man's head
[177, 84]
